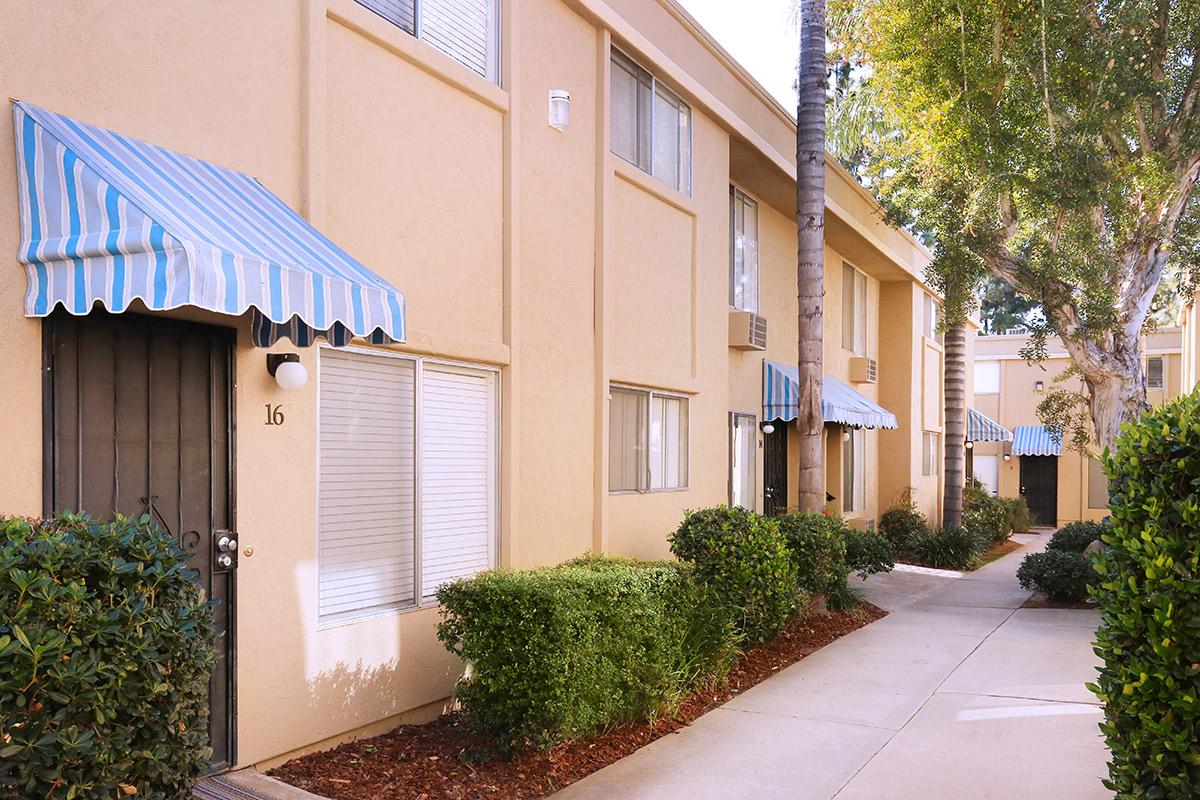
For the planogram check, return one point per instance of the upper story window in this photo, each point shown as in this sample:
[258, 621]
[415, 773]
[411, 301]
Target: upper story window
[466, 30]
[932, 314]
[743, 251]
[854, 310]
[647, 440]
[1155, 374]
[987, 377]
[651, 126]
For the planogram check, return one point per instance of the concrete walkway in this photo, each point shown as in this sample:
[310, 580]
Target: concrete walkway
[958, 693]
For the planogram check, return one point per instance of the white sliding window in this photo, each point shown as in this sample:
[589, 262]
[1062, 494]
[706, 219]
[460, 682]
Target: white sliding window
[647, 440]
[743, 251]
[407, 480]
[854, 469]
[366, 519]
[743, 458]
[651, 126]
[466, 30]
[458, 473]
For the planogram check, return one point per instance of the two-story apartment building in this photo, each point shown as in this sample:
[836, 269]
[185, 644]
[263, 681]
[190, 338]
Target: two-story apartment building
[493, 296]
[1059, 484]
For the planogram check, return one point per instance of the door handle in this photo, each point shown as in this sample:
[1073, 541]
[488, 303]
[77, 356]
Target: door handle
[225, 551]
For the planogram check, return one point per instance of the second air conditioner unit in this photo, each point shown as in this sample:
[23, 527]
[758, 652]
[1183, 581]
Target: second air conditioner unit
[747, 331]
[864, 370]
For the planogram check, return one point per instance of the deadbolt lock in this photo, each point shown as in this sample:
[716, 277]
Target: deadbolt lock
[225, 551]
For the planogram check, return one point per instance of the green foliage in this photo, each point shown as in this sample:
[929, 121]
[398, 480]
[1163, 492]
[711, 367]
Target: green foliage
[1074, 537]
[901, 523]
[868, 553]
[566, 651]
[1060, 574]
[1149, 599]
[1002, 309]
[745, 559]
[106, 647]
[1019, 517]
[817, 544]
[946, 548]
[986, 516]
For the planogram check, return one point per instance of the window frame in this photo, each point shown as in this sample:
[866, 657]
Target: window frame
[643, 76]
[734, 418]
[858, 308]
[854, 446]
[645, 478]
[494, 42]
[494, 545]
[975, 376]
[1162, 373]
[740, 200]
[931, 454]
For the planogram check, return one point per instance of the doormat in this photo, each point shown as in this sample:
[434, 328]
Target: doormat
[217, 787]
[248, 784]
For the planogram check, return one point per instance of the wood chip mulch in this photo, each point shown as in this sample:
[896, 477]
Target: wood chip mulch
[445, 760]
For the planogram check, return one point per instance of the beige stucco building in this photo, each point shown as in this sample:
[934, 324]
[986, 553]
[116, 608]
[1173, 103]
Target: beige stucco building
[578, 364]
[1059, 483]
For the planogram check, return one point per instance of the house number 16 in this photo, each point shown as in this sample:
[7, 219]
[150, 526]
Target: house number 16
[274, 414]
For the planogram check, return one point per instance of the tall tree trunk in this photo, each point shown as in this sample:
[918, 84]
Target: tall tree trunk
[810, 249]
[956, 424]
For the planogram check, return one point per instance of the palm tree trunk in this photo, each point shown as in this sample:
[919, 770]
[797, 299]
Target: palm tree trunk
[956, 423]
[810, 249]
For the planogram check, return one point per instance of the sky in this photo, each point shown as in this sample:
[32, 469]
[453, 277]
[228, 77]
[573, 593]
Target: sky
[760, 34]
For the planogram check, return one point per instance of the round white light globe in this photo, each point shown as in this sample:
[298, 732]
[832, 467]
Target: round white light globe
[291, 375]
[768, 428]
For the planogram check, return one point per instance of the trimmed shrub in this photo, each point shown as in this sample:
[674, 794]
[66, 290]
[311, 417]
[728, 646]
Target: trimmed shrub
[1019, 517]
[901, 523]
[946, 548]
[817, 544]
[1060, 574]
[106, 648]
[566, 651]
[745, 560]
[868, 552]
[1074, 537]
[986, 516]
[1149, 599]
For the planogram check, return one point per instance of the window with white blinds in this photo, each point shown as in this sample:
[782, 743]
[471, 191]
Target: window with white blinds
[465, 30]
[366, 544]
[407, 480]
[457, 473]
[651, 127]
[647, 440]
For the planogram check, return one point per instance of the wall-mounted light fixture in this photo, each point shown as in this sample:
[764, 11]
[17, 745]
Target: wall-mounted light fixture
[767, 428]
[1039, 386]
[846, 435]
[1008, 456]
[287, 370]
[970, 445]
[560, 109]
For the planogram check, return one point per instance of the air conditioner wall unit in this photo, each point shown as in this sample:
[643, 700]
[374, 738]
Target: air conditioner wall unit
[747, 331]
[864, 370]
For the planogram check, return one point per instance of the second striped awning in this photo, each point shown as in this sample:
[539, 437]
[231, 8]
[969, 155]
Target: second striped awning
[840, 404]
[982, 428]
[106, 218]
[1035, 440]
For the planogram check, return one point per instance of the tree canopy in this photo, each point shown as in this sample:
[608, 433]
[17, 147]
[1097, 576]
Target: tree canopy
[1053, 144]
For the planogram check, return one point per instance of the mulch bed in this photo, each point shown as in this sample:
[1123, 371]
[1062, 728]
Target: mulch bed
[1039, 600]
[445, 760]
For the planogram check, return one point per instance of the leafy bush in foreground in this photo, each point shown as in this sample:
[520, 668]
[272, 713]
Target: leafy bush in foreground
[1149, 599]
[901, 523]
[1019, 517]
[566, 651]
[1061, 574]
[745, 560]
[106, 647]
[868, 553]
[985, 515]
[817, 544]
[1074, 537]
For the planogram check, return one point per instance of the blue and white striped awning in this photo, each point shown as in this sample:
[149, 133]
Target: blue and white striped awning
[1035, 440]
[981, 428]
[106, 218]
[839, 403]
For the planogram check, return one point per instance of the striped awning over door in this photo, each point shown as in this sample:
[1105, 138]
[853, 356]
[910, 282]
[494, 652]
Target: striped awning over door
[107, 218]
[981, 428]
[839, 403]
[1035, 440]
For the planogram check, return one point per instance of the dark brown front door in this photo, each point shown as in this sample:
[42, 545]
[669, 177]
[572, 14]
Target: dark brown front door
[1039, 487]
[775, 470]
[139, 419]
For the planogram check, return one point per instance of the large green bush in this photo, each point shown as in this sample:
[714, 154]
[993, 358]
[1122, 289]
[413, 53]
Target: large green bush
[1061, 574]
[868, 552]
[900, 523]
[818, 547]
[106, 647]
[745, 559]
[985, 515]
[1019, 517]
[1074, 537]
[1149, 598]
[946, 548]
[565, 651]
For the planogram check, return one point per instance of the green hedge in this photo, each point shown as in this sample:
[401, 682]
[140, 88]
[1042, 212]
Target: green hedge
[1149, 598]
[817, 544]
[868, 553]
[566, 651]
[1019, 517]
[985, 515]
[106, 648]
[902, 522]
[745, 559]
[1061, 574]
[1074, 537]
